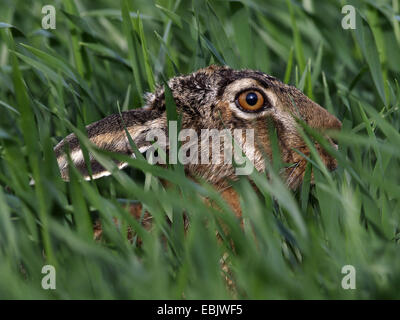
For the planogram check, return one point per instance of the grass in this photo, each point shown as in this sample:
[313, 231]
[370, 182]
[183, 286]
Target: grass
[293, 244]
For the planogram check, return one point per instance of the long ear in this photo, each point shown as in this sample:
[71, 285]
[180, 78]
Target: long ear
[109, 134]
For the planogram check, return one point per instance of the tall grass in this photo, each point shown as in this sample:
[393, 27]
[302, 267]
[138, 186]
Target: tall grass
[292, 245]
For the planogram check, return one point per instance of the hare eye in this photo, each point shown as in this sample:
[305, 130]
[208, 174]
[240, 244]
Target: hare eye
[250, 100]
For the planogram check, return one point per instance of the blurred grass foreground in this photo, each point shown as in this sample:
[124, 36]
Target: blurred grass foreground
[293, 245]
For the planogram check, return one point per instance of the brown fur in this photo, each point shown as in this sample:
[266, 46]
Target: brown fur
[206, 99]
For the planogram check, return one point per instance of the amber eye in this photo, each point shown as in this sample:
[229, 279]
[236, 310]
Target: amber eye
[251, 100]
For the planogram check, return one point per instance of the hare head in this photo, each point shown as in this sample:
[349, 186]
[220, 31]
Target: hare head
[214, 98]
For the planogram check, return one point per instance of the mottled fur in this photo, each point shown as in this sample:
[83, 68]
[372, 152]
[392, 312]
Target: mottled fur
[206, 99]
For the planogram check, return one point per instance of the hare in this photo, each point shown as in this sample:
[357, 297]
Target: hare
[216, 97]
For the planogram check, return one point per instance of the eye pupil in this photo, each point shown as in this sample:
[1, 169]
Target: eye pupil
[251, 98]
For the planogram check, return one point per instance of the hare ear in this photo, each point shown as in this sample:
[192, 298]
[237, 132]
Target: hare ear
[109, 134]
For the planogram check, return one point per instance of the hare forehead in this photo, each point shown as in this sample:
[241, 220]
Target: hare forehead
[238, 85]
